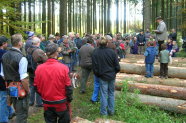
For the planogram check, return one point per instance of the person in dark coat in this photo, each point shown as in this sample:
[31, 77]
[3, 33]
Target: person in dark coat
[141, 41]
[105, 66]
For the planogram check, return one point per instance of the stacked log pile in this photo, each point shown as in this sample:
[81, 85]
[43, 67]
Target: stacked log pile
[168, 94]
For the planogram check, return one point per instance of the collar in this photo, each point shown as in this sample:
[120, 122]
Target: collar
[16, 48]
[52, 60]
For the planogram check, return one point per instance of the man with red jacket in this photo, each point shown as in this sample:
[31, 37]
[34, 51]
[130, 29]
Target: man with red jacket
[53, 84]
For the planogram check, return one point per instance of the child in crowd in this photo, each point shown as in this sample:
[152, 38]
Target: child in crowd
[174, 49]
[150, 55]
[133, 46]
[164, 60]
[169, 44]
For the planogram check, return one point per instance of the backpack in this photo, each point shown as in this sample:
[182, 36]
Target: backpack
[31, 63]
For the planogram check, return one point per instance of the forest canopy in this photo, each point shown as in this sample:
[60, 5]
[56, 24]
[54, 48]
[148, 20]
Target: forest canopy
[91, 16]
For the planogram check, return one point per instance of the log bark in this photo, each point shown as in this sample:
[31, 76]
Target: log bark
[156, 90]
[173, 72]
[169, 104]
[155, 80]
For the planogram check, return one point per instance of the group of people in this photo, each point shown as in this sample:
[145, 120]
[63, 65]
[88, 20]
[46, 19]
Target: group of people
[37, 72]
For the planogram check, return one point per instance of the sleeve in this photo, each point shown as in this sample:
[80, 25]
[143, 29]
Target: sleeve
[146, 53]
[161, 28]
[23, 68]
[95, 65]
[116, 62]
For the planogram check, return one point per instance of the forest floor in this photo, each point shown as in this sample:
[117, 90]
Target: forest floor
[128, 109]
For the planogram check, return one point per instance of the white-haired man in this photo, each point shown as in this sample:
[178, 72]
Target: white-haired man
[38, 57]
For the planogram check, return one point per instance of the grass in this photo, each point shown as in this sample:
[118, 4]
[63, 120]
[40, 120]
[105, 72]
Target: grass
[181, 54]
[127, 109]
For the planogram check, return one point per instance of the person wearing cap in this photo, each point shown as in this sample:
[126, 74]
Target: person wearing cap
[54, 85]
[39, 57]
[15, 70]
[29, 40]
[105, 66]
[161, 32]
[5, 111]
[141, 41]
[51, 38]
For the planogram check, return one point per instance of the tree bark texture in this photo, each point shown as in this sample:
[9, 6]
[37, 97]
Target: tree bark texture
[44, 17]
[146, 12]
[155, 80]
[155, 90]
[63, 16]
[169, 104]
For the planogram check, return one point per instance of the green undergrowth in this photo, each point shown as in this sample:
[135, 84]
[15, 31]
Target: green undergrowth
[127, 108]
[182, 53]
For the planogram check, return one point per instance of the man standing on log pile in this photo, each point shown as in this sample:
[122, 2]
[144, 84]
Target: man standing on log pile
[105, 66]
[161, 32]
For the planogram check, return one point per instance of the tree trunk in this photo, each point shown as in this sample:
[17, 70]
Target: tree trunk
[170, 21]
[146, 12]
[73, 15]
[25, 13]
[108, 17]
[88, 17]
[39, 14]
[69, 15]
[63, 16]
[80, 16]
[1, 22]
[155, 90]
[183, 24]
[125, 17]
[117, 16]
[105, 17]
[173, 72]
[53, 17]
[162, 8]
[155, 80]
[169, 104]
[49, 18]
[94, 16]
[44, 17]
[34, 15]
[29, 13]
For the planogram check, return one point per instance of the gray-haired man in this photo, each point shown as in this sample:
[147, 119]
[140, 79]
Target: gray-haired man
[38, 57]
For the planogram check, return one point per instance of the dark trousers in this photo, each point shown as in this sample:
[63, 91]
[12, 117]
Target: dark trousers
[85, 74]
[52, 116]
[164, 69]
[159, 44]
[21, 109]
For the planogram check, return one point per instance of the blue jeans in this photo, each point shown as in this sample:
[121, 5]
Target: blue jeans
[149, 70]
[5, 110]
[96, 89]
[33, 94]
[107, 97]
